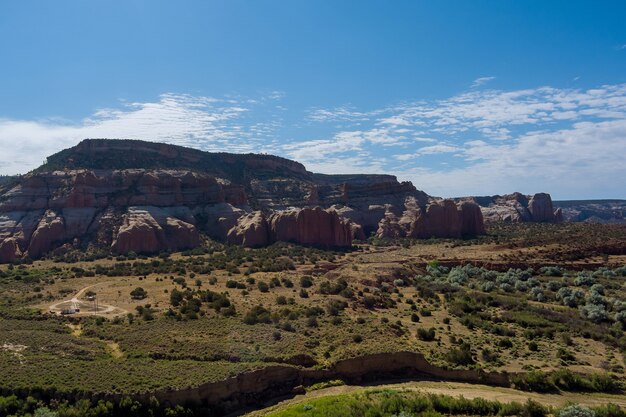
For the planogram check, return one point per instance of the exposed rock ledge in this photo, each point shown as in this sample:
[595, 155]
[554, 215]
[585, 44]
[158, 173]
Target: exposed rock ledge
[261, 385]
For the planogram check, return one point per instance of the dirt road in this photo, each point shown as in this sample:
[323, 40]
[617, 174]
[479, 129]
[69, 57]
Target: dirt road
[86, 307]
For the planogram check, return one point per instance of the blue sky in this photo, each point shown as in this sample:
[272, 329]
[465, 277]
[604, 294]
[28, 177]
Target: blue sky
[460, 97]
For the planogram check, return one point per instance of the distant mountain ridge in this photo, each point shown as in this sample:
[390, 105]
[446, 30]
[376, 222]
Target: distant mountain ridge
[597, 211]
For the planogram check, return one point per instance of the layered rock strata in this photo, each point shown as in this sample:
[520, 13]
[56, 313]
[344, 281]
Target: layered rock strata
[147, 197]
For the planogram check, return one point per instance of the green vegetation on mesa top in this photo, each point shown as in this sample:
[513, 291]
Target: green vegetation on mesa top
[126, 154]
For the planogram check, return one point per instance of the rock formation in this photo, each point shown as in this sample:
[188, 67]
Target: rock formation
[310, 227]
[129, 195]
[150, 230]
[9, 250]
[251, 231]
[307, 226]
[442, 218]
[517, 207]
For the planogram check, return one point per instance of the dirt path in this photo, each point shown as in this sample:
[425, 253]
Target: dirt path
[455, 389]
[85, 306]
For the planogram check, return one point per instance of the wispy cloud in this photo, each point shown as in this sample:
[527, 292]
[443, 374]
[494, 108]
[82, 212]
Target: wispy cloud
[337, 114]
[427, 150]
[201, 122]
[583, 160]
[480, 81]
[567, 141]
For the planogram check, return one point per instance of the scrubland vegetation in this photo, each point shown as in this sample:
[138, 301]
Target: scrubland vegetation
[397, 403]
[516, 300]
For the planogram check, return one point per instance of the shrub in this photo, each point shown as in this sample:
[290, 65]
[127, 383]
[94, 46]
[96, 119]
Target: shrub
[262, 286]
[505, 343]
[426, 335]
[583, 280]
[460, 356]
[138, 293]
[576, 410]
[609, 410]
[565, 355]
[258, 314]
[533, 381]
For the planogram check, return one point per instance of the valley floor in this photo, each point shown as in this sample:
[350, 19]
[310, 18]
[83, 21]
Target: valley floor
[454, 389]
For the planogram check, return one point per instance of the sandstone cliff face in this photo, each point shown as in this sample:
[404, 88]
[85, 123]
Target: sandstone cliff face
[9, 250]
[150, 230]
[146, 197]
[517, 207]
[307, 226]
[251, 231]
[48, 209]
[310, 227]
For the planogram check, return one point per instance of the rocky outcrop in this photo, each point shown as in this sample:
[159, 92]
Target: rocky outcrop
[50, 230]
[439, 218]
[251, 231]
[310, 227]
[307, 226]
[540, 208]
[517, 207]
[472, 223]
[150, 230]
[9, 250]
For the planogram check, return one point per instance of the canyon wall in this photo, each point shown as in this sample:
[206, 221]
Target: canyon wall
[135, 196]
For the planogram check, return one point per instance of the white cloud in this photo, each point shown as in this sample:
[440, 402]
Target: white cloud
[200, 122]
[428, 150]
[480, 81]
[569, 142]
[584, 160]
[337, 114]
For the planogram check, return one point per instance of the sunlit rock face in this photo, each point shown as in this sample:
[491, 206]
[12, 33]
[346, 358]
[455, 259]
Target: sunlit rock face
[517, 207]
[128, 195]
